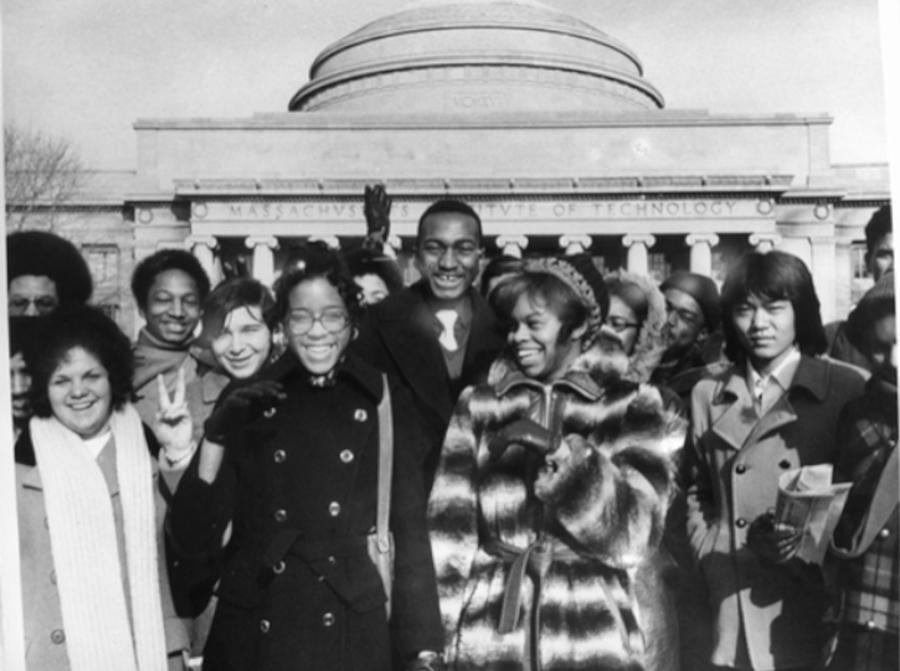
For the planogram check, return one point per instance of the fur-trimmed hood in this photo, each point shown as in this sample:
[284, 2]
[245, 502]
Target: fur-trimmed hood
[651, 342]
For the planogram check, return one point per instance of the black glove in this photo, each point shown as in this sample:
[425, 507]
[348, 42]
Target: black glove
[524, 432]
[242, 405]
[427, 661]
[378, 217]
[776, 543]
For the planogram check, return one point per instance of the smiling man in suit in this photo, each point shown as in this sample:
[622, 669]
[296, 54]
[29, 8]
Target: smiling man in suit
[438, 335]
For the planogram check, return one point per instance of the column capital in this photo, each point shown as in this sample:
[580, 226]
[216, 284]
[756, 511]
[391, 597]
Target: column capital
[252, 241]
[575, 244]
[765, 242]
[645, 239]
[710, 239]
[331, 241]
[512, 245]
[208, 241]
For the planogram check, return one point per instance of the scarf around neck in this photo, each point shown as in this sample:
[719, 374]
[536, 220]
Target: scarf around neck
[153, 356]
[101, 634]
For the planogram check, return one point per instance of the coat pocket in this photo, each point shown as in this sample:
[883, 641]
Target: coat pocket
[355, 581]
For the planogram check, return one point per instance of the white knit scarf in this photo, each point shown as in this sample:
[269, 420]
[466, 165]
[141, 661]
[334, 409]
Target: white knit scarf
[99, 634]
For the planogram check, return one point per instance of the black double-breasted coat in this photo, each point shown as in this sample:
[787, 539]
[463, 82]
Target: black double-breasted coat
[298, 590]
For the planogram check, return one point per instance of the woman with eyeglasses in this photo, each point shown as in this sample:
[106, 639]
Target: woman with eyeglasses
[290, 458]
[637, 315]
[636, 319]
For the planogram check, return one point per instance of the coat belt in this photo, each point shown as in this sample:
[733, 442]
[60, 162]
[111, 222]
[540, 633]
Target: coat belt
[536, 559]
[292, 543]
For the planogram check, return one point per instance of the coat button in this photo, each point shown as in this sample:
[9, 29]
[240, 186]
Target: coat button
[58, 636]
[269, 413]
[740, 468]
[785, 464]
[346, 456]
[360, 415]
[328, 619]
[870, 625]
[279, 456]
[334, 508]
[740, 522]
[264, 626]
[278, 567]
[884, 533]
[280, 515]
[331, 559]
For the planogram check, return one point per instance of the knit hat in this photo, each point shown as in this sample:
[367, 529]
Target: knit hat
[702, 289]
[580, 274]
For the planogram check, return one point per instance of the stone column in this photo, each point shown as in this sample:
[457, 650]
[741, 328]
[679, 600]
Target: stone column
[575, 244]
[512, 245]
[765, 242]
[263, 247]
[701, 245]
[637, 246]
[203, 247]
[822, 267]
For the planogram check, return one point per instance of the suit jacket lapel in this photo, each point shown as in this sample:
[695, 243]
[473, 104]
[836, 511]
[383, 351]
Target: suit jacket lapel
[414, 348]
[734, 416]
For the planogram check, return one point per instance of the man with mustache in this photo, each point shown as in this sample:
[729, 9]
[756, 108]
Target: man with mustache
[438, 335]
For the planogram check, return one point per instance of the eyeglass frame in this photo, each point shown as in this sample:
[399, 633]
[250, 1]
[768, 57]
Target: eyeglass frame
[320, 318]
[621, 327]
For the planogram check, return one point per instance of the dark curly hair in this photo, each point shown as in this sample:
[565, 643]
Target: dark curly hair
[774, 275]
[230, 295]
[86, 327]
[878, 227]
[316, 260]
[166, 259]
[42, 253]
[369, 262]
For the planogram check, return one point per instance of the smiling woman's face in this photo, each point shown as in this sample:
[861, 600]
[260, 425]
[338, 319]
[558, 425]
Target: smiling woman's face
[317, 325]
[536, 339]
[80, 394]
[244, 342]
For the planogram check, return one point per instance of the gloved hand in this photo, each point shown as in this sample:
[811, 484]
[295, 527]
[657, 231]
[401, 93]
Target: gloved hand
[771, 541]
[242, 405]
[427, 660]
[377, 211]
[524, 432]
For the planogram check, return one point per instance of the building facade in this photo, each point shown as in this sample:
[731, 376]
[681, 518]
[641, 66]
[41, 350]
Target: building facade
[545, 124]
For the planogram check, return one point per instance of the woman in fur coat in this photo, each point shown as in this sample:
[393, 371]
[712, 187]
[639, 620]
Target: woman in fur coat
[553, 485]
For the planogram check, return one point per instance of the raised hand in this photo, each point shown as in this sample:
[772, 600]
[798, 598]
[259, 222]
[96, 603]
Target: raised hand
[240, 406]
[377, 211]
[174, 425]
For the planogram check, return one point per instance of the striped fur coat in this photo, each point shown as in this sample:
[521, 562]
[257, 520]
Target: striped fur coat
[576, 606]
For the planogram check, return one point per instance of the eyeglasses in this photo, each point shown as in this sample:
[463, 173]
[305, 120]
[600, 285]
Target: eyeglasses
[619, 324]
[333, 320]
[685, 316]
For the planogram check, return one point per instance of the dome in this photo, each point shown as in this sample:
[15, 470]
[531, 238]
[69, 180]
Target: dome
[469, 57]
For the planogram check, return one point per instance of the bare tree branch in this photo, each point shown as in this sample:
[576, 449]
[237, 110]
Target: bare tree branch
[42, 173]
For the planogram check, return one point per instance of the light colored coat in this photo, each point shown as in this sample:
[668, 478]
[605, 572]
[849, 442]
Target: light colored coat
[45, 637]
[735, 460]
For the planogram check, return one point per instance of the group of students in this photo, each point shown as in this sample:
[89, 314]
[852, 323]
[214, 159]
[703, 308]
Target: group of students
[583, 467]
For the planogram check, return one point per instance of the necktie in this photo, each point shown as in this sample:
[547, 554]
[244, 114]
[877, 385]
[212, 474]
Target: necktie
[447, 318]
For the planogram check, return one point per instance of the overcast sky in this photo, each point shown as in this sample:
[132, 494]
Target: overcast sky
[87, 69]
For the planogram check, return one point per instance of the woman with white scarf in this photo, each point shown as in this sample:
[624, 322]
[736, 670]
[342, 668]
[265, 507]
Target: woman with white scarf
[96, 597]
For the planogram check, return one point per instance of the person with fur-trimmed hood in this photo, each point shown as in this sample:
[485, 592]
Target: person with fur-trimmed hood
[552, 486]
